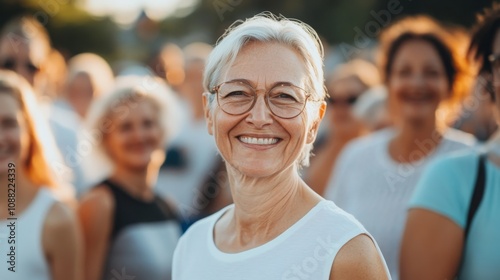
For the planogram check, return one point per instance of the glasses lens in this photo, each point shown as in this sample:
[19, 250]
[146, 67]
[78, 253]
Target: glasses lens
[235, 97]
[287, 101]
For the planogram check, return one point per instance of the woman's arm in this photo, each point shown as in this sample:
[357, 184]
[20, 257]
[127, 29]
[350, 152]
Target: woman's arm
[62, 243]
[431, 248]
[96, 217]
[359, 259]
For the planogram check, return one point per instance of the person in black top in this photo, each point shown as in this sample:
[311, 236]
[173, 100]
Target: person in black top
[129, 230]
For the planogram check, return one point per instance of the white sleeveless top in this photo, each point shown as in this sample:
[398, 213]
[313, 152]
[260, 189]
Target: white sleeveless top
[306, 250]
[30, 262]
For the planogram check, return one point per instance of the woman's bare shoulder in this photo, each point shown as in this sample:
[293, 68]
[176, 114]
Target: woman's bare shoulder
[359, 259]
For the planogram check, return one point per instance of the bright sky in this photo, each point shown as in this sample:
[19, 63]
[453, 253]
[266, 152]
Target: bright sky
[126, 11]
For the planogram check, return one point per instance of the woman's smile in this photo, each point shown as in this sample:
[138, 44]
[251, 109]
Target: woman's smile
[258, 142]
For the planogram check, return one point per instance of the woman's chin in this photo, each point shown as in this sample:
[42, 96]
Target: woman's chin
[260, 168]
[138, 163]
[255, 170]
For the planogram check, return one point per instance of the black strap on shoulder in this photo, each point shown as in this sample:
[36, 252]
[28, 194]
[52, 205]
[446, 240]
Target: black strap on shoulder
[477, 195]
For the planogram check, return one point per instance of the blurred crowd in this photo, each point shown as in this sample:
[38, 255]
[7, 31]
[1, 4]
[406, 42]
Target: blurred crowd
[114, 162]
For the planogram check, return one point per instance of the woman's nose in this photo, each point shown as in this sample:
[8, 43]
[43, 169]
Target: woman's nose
[417, 80]
[260, 115]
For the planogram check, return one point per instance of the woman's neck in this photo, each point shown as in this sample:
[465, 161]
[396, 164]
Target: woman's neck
[415, 141]
[138, 183]
[262, 203]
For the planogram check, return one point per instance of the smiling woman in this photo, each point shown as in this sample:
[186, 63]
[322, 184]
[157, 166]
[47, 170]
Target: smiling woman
[128, 229]
[44, 240]
[263, 104]
[377, 174]
[452, 230]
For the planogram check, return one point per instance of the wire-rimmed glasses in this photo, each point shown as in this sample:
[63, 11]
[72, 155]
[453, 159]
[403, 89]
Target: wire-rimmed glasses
[284, 100]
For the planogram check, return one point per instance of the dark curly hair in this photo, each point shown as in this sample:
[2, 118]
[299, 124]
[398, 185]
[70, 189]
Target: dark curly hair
[488, 23]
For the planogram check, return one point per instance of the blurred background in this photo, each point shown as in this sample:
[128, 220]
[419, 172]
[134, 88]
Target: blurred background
[93, 46]
[134, 28]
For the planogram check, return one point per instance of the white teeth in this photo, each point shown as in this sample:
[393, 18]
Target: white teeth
[258, 141]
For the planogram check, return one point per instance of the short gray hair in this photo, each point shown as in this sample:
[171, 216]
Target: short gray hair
[126, 93]
[267, 27]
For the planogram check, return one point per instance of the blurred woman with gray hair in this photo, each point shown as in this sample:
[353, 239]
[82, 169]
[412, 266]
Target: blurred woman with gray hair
[128, 228]
[263, 101]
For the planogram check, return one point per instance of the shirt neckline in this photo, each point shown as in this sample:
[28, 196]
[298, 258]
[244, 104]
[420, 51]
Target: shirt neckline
[385, 157]
[234, 257]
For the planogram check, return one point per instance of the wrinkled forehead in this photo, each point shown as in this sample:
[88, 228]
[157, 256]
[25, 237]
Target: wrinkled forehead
[264, 63]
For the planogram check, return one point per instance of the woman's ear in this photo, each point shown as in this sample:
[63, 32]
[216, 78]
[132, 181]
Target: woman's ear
[313, 131]
[206, 109]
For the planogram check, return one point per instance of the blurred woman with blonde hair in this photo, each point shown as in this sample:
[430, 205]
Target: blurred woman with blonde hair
[46, 243]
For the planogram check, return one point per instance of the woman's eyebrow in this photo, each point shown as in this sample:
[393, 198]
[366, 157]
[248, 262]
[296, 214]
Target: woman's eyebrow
[286, 83]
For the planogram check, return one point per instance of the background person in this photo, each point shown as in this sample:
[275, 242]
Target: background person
[375, 176]
[89, 76]
[192, 155]
[47, 234]
[345, 86]
[25, 48]
[128, 228]
[435, 245]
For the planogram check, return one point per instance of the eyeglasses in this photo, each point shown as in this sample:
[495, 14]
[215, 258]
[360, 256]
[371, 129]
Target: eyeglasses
[347, 101]
[11, 64]
[283, 100]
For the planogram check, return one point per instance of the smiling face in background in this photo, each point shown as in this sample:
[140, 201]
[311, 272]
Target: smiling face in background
[14, 139]
[257, 143]
[417, 82]
[136, 137]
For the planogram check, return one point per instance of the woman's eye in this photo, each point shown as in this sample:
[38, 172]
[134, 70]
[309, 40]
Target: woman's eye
[236, 93]
[148, 123]
[286, 96]
[431, 73]
[404, 72]
[10, 123]
[283, 96]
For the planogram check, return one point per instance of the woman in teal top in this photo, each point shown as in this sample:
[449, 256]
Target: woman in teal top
[434, 243]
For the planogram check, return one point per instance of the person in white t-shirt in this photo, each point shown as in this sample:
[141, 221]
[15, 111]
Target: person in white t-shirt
[376, 175]
[264, 101]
